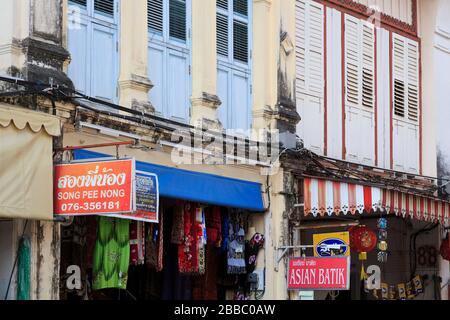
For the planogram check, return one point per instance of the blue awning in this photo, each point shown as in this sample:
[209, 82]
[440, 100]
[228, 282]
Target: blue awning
[197, 187]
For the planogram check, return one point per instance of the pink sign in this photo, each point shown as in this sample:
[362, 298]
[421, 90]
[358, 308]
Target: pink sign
[319, 273]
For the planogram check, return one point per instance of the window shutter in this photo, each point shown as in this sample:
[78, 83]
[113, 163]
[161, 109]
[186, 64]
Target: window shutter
[177, 19]
[222, 34]
[352, 60]
[104, 6]
[309, 48]
[240, 41]
[80, 2]
[155, 15]
[241, 7]
[368, 66]
[222, 4]
[315, 50]
[399, 76]
[413, 80]
[360, 62]
[300, 36]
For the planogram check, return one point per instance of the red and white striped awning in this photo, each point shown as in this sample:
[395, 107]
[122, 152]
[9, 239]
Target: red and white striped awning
[323, 197]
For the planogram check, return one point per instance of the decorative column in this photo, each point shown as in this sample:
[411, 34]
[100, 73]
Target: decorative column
[134, 83]
[265, 52]
[286, 110]
[205, 101]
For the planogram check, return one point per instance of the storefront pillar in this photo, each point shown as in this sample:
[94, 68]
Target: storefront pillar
[276, 237]
[45, 260]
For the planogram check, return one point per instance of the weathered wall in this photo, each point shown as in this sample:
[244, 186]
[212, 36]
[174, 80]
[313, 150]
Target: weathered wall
[435, 26]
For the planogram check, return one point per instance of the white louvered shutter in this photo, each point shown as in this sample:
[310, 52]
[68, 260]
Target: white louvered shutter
[413, 80]
[406, 104]
[310, 73]
[398, 55]
[359, 62]
[359, 90]
[300, 42]
[309, 48]
[352, 60]
[406, 78]
[368, 65]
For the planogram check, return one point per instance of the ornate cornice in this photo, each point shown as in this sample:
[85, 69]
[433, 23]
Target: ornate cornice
[388, 20]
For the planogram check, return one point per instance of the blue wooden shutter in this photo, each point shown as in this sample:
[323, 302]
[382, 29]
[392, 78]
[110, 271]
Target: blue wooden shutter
[103, 75]
[241, 7]
[222, 34]
[104, 6]
[240, 41]
[78, 45]
[156, 73]
[155, 15]
[177, 19]
[79, 2]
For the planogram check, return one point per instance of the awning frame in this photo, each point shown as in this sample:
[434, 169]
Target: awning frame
[324, 197]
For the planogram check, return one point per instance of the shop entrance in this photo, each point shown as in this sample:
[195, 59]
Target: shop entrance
[409, 256]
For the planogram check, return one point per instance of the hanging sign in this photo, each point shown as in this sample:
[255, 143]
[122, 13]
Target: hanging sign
[147, 198]
[87, 188]
[331, 273]
[331, 244]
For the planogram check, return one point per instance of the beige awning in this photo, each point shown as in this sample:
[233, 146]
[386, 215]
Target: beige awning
[26, 163]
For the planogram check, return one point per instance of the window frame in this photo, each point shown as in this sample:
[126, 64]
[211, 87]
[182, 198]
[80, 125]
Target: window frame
[232, 16]
[93, 20]
[161, 41]
[164, 37]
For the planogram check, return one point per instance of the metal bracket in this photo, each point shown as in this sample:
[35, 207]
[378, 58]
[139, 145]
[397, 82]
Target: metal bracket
[285, 249]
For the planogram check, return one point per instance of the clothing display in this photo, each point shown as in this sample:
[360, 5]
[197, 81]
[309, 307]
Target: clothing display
[137, 243]
[193, 252]
[154, 247]
[112, 254]
[177, 233]
[214, 226]
[252, 248]
[236, 244]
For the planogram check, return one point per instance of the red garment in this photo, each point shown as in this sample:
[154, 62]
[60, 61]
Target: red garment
[160, 264]
[155, 244]
[188, 252]
[214, 226]
[137, 243]
[177, 234]
[205, 287]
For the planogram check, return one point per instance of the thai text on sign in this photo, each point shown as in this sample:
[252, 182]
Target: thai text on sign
[319, 273]
[105, 187]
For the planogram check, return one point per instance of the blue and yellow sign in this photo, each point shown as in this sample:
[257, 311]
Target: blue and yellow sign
[331, 244]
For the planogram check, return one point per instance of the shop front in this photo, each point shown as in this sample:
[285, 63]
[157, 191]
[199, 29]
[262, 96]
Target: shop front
[189, 236]
[27, 253]
[393, 241]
